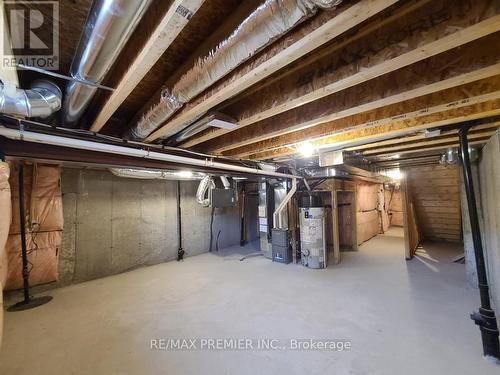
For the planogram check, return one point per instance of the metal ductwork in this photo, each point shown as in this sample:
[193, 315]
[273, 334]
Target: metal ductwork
[203, 194]
[271, 20]
[41, 100]
[146, 174]
[109, 25]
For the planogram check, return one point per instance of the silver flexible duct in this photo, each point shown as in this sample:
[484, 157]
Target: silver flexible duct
[41, 100]
[206, 184]
[109, 25]
[263, 26]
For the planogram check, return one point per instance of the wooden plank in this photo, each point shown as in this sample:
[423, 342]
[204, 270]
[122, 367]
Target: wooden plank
[487, 127]
[438, 104]
[444, 225]
[433, 148]
[385, 127]
[321, 113]
[368, 73]
[343, 22]
[425, 143]
[438, 203]
[165, 33]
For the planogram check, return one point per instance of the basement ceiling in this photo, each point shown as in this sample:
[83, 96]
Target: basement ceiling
[378, 79]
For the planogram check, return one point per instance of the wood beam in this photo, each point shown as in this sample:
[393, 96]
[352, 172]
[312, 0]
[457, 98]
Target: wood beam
[424, 143]
[433, 148]
[353, 16]
[348, 105]
[301, 66]
[418, 137]
[418, 45]
[387, 127]
[437, 102]
[165, 33]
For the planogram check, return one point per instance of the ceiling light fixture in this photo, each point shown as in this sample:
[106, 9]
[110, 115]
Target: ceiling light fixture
[306, 149]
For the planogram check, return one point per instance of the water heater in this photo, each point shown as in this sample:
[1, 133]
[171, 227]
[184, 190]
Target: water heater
[312, 231]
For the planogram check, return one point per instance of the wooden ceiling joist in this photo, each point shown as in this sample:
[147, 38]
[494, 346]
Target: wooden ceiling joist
[298, 68]
[388, 127]
[456, 30]
[346, 20]
[421, 136]
[165, 33]
[434, 148]
[416, 145]
[348, 105]
[435, 103]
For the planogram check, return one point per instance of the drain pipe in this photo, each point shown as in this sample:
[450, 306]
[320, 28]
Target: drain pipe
[180, 250]
[109, 25]
[485, 317]
[278, 224]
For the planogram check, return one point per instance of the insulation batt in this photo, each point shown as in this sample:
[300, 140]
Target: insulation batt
[5, 218]
[264, 25]
[43, 251]
[44, 213]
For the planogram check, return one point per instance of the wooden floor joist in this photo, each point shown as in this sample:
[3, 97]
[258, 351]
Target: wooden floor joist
[391, 127]
[418, 137]
[237, 143]
[433, 148]
[343, 22]
[380, 116]
[374, 66]
[425, 143]
[165, 33]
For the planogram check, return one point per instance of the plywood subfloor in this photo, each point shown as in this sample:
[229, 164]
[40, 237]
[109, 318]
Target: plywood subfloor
[402, 317]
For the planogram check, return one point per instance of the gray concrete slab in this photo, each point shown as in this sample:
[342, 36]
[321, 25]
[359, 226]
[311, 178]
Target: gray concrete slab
[402, 317]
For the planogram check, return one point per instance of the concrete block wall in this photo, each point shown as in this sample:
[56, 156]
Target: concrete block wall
[114, 224]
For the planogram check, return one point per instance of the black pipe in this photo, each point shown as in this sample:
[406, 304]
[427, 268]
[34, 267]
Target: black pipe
[242, 219]
[485, 318]
[28, 302]
[180, 250]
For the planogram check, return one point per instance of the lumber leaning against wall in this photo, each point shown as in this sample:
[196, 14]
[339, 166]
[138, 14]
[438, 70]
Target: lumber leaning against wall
[44, 225]
[5, 218]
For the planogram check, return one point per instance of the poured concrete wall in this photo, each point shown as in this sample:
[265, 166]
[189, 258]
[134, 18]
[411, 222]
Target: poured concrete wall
[114, 224]
[487, 187]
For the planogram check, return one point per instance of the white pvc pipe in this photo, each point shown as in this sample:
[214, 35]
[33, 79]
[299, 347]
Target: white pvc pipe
[277, 214]
[56, 140]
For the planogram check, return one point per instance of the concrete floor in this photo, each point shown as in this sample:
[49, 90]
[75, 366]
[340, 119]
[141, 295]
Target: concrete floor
[401, 317]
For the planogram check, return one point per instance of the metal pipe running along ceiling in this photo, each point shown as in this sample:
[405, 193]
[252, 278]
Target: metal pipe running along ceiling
[48, 139]
[109, 25]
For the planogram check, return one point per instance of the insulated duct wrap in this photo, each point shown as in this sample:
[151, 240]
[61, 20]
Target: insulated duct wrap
[264, 25]
[205, 184]
[156, 175]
